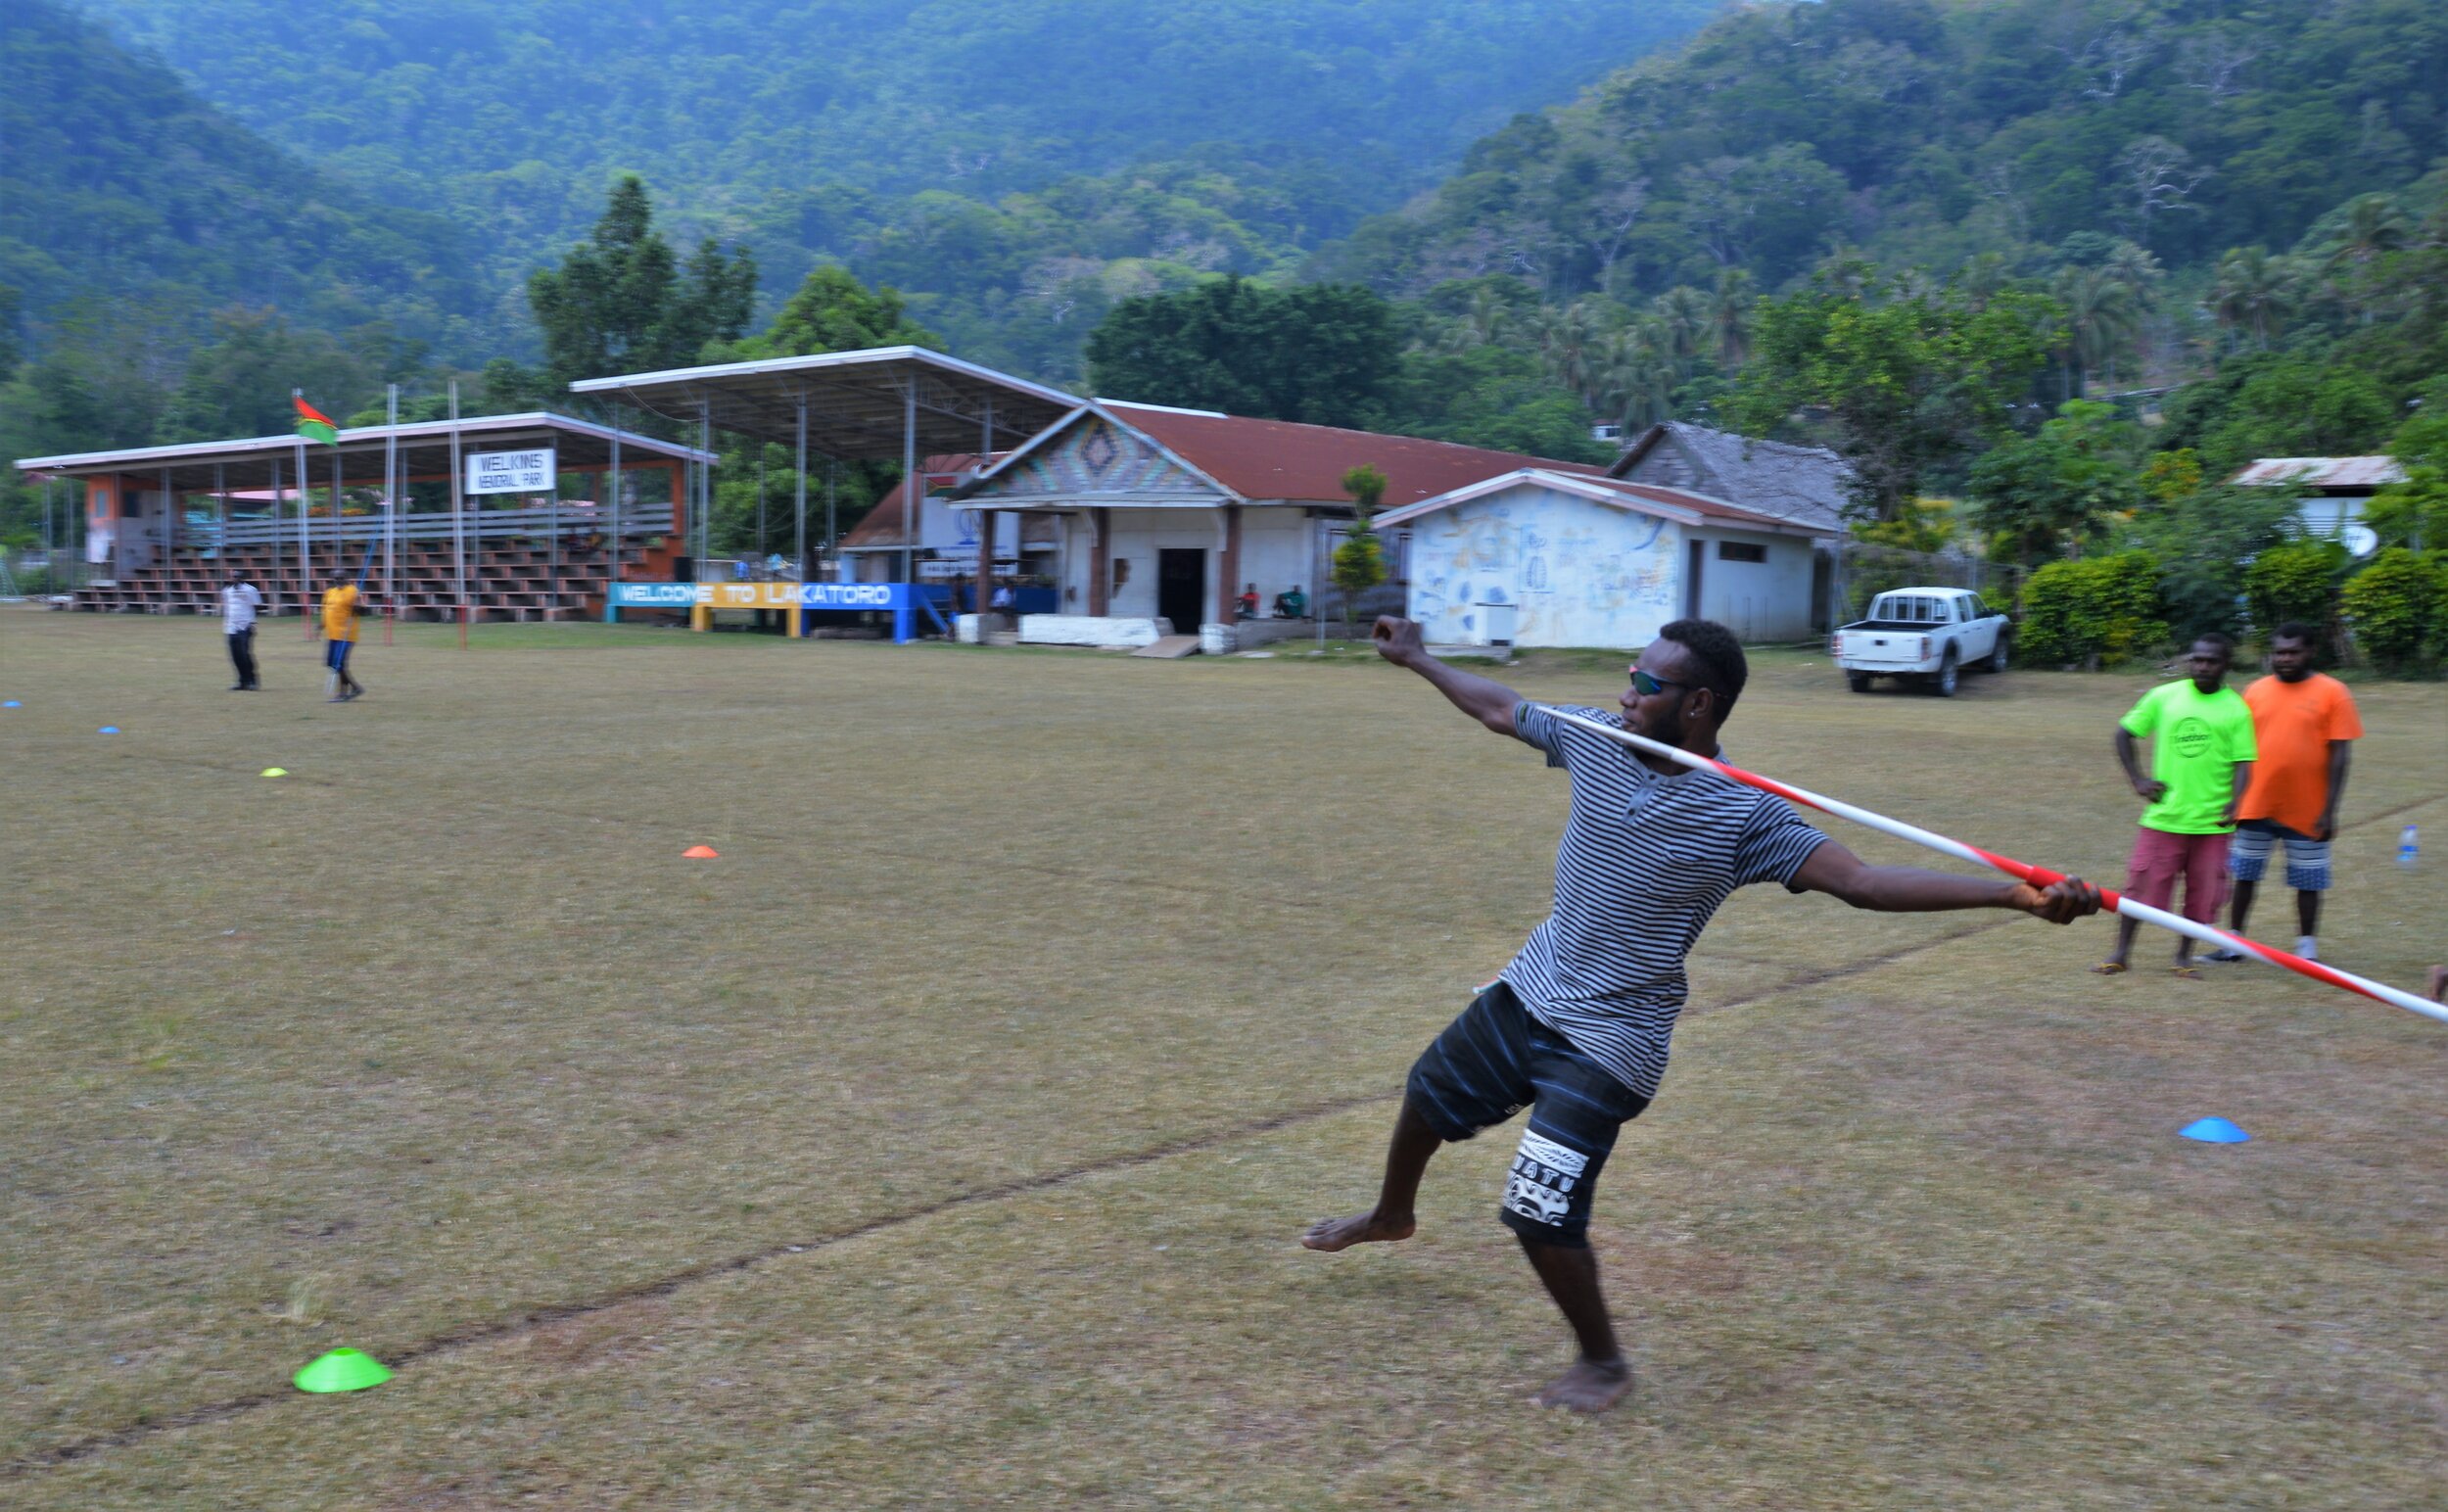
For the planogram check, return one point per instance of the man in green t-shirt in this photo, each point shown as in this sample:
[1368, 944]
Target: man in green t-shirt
[2201, 758]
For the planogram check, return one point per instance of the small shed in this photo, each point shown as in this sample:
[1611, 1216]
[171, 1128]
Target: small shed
[2335, 492]
[1539, 557]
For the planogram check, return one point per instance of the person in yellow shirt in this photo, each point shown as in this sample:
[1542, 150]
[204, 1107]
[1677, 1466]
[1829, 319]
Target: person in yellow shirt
[341, 604]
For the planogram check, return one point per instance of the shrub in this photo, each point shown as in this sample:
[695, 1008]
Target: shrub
[2297, 580]
[2394, 605]
[2097, 610]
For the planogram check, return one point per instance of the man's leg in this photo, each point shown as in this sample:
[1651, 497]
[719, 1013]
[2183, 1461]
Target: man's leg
[1397, 1196]
[246, 653]
[2241, 909]
[1602, 1375]
[2205, 885]
[237, 660]
[2148, 879]
[1474, 1074]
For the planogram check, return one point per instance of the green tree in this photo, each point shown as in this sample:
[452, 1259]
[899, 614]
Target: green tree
[2204, 540]
[2415, 513]
[1359, 562]
[620, 301]
[2294, 580]
[1906, 387]
[1321, 354]
[2047, 495]
[2393, 606]
[833, 312]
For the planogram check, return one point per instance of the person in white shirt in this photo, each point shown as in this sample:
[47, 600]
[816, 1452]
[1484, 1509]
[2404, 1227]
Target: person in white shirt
[240, 599]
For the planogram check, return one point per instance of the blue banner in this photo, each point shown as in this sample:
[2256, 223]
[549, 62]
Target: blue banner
[762, 595]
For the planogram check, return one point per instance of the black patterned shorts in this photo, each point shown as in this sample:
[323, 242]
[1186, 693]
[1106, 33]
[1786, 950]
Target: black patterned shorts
[1494, 1060]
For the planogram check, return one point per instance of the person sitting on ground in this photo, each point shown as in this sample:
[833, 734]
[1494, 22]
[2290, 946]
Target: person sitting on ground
[1249, 602]
[1003, 598]
[1292, 604]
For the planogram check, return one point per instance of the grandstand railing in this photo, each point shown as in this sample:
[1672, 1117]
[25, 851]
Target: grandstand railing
[473, 525]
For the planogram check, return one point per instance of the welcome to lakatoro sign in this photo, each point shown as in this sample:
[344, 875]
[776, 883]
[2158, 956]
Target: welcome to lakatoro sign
[762, 596]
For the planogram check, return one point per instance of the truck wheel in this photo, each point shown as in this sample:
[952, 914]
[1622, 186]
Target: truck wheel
[1996, 661]
[1859, 681]
[1943, 685]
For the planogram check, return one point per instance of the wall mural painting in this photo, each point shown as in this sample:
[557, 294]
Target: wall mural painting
[1576, 573]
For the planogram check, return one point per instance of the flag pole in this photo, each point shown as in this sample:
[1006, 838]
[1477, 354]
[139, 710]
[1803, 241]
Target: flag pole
[2038, 876]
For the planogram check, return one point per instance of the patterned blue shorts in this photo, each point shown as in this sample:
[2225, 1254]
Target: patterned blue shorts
[1494, 1060]
[2307, 859]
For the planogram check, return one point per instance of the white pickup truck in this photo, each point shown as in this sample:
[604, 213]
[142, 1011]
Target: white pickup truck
[1924, 636]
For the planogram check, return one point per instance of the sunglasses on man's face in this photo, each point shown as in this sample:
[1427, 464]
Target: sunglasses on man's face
[1648, 687]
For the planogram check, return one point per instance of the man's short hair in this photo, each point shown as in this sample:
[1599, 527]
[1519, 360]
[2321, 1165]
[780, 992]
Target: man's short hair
[1718, 655]
[2227, 647]
[2292, 630]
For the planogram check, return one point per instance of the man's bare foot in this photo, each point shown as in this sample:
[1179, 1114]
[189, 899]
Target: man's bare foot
[1590, 1386]
[1366, 1228]
[2440, 984]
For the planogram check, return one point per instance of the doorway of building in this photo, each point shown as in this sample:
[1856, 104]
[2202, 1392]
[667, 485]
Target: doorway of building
[1182, 588]
[1691, 580]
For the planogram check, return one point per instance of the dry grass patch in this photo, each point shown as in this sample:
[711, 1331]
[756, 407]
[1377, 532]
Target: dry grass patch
[439, 1036]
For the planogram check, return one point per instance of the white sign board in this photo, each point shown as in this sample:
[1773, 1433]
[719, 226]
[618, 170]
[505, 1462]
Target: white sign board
[512, 472]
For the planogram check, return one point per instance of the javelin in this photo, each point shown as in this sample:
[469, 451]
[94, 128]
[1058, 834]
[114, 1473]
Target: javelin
[2038, 876]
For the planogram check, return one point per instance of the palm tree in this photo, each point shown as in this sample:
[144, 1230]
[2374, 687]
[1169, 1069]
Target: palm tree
[2254, 293]
[1682, 316]
[2374, 226]
[1487, 320]
[2099, 310]
[1981, 278]
[2132, 266]
[1638, 378]
[1729, 318]
[1913, 283]
[1572, 348]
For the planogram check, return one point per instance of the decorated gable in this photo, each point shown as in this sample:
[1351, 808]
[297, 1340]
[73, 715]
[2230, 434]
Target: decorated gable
[1095, 461]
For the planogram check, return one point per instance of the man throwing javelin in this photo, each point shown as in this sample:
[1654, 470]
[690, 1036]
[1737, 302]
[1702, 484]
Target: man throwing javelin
[1575, 1029]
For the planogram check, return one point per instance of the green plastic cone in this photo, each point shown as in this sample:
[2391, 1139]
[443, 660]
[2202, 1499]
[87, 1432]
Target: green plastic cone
[342, 1370]
[275, 770]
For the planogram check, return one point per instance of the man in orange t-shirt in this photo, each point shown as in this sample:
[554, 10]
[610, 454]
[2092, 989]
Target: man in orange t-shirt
[2305, 725]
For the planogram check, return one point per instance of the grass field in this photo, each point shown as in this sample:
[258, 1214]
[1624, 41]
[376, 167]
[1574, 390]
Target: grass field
[946, 1141]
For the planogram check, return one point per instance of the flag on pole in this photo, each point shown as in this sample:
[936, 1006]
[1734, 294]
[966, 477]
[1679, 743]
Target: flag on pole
[312, 423]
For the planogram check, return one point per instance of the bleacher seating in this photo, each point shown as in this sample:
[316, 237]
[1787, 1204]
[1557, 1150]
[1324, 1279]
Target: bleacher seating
[508, 580]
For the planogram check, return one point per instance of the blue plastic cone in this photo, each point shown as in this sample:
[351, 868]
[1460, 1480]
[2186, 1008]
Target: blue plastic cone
[108, 729]
[12, 704]
[2214, 1131]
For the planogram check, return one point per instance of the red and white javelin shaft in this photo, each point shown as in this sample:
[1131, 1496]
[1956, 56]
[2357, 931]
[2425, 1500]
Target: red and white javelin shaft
[2038, 876]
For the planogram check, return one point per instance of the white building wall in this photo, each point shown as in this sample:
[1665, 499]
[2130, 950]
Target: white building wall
[1277, 550]
[1577, 572]
[1767, 601]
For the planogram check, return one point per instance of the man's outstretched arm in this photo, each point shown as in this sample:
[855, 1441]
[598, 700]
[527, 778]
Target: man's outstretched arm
[1483, 699]
[1840, 873]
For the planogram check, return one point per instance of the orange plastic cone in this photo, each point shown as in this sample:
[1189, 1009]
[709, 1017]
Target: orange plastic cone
[701, 853]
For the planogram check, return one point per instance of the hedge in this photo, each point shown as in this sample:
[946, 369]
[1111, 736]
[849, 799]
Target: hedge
[2092, 610]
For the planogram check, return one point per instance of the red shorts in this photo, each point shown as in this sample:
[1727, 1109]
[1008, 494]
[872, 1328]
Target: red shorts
[2160, 858]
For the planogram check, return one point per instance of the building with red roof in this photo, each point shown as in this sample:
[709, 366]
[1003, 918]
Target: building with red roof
[1172, 515]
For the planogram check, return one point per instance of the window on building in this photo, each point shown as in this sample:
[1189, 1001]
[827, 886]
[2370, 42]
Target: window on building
[1741, 551]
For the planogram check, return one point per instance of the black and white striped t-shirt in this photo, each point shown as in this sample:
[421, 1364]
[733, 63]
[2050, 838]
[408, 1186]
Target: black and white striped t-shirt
[1645, 860]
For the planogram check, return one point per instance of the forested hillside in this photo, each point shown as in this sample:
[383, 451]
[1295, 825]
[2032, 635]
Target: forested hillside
[1015, 164]
[124, 197]
[1923, 133]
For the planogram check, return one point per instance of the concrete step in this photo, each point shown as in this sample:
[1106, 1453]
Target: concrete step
[1170, 647]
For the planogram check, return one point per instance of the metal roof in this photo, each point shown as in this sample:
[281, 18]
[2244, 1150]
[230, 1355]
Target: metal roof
[2350, 474]
[855, 401]
[424, 448]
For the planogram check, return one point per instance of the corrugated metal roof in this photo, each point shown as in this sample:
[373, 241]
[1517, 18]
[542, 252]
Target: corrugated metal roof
[2326, 473]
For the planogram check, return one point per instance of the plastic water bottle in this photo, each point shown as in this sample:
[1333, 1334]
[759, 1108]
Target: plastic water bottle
[2409, 846]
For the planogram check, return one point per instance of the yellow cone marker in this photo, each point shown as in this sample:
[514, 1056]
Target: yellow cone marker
[275, 770]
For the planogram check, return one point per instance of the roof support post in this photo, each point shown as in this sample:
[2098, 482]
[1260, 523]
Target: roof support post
[305, 544]
[911, 483]
[459, 516]
[1228, 568]
[799, 493]
[612, 548]
[1100, 562]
